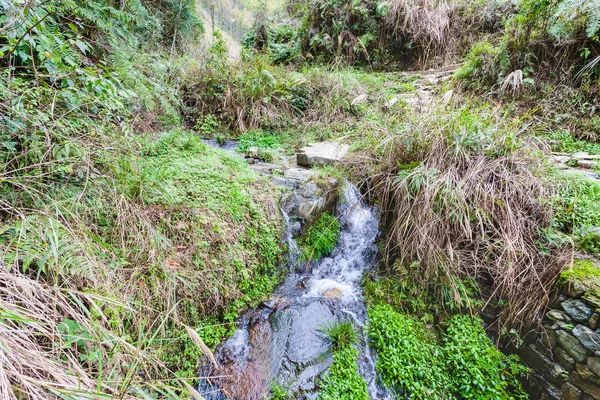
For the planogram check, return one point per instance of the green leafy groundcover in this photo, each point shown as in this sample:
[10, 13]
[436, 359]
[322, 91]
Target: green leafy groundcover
[463, 364]
[343, 381]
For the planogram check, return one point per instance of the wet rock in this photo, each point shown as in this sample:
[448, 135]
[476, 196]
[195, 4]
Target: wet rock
[323, 153]
[587, 337]
[577, 310]
[542, 365]
[586, 380]
[572, 346]
[569, 392]
[564, 359]
[593, 363]
[594, 321]
[332, 293]
[306, 344]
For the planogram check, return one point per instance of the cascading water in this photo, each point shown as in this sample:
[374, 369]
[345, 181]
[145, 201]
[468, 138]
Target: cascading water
[281, 340]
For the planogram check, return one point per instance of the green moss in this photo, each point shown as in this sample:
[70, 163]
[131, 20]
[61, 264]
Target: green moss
[320, 238]
[584, 271]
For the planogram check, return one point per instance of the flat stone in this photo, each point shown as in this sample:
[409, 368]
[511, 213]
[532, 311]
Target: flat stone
[564, 359]
[594, 322]
[557, 315]
[591, 299]
[267, 168]
[299, 174]
[587, 337]
[587, 163]
[561, 159]
[593, 363]
[577, 310]
[580, 155]
[572, 346]
[323, 153]
[569, 392]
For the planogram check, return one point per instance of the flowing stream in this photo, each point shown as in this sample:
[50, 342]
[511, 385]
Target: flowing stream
[281, 341]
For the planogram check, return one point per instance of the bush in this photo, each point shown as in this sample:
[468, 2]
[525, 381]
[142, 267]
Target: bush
[463, 198]
[477, 369]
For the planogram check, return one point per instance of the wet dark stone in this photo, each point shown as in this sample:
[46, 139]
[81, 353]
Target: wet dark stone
[578, 310]
[587, 337]
[564, 359]
[569, 392]
[571, 345]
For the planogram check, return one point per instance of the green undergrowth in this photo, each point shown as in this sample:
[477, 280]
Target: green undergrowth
[342, 380]
[577, 210]
[320, 238]
[401, 292]
[456, 361]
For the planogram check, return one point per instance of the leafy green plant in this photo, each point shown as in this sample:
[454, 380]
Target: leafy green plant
[320, 238]
[476, 368]
[408, 356]
[342, 380]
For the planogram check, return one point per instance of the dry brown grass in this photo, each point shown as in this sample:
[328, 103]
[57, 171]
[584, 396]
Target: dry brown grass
[462, 196]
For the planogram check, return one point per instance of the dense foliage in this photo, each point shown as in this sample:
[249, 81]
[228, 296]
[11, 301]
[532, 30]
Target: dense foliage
[464, 364]
[343, 381]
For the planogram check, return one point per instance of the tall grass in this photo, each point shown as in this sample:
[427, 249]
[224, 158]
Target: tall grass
[463, 195]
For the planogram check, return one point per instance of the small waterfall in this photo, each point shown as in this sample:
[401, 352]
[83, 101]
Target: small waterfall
[281, 341]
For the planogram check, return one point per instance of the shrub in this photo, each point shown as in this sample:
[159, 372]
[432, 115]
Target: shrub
[464, 364]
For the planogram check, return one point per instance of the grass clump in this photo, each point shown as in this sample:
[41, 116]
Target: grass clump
[473, 204]
[320, 238]
[343, 381]
[152, 251]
